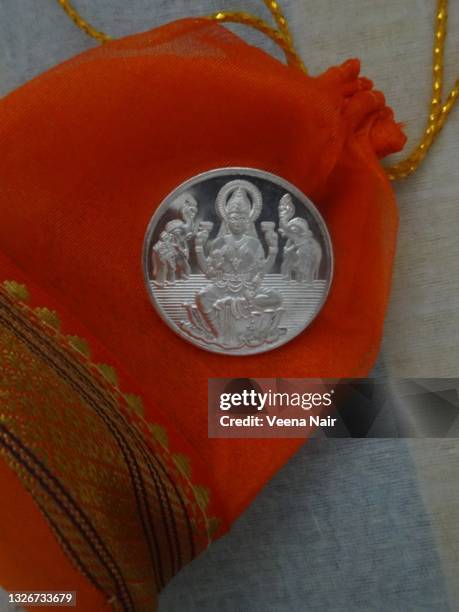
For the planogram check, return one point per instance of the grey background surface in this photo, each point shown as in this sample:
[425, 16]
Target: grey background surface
[340, 528]
[346, 525]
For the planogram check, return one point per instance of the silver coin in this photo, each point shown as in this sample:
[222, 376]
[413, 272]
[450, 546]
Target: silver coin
[237, 261]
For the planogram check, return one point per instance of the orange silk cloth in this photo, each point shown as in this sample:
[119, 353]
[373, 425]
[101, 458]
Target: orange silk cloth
[89, 149]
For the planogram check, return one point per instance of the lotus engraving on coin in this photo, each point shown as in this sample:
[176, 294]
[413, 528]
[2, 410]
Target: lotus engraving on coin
[237, 261]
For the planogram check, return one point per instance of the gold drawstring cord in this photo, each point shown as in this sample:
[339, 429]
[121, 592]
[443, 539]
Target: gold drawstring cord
[438, 113]
[81, 23]
[281, 37]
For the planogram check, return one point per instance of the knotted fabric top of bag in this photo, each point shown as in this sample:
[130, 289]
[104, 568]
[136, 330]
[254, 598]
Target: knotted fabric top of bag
[87, 152]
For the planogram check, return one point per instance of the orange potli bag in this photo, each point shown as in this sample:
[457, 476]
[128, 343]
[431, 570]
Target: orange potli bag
[109, 481]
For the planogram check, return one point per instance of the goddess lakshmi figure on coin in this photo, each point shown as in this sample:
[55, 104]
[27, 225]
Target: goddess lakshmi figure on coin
[235, 309]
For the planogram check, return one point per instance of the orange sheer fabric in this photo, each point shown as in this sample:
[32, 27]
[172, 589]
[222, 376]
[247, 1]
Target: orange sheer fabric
[89, 149]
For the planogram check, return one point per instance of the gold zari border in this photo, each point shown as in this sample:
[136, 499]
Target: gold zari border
[120, 503]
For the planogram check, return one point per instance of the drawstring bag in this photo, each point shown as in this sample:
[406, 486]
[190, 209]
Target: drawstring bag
[111, 482]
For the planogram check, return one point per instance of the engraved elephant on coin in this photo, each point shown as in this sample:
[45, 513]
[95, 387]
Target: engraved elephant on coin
[302, 253]
[170, 254]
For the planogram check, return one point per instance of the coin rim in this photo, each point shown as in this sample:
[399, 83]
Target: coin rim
[234, 170]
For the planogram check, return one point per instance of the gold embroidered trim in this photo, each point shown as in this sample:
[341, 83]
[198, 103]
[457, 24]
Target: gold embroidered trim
[121, 504]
